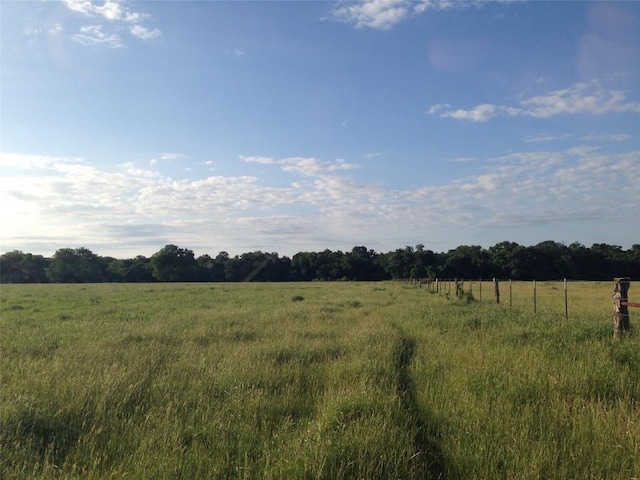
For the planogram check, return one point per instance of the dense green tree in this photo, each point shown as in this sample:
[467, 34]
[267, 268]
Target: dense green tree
[632, 260]
[360, 264]
[217, 269]
[550, 260]
[78, 265]
[399, 263]
[174, 264]
[545, 261]
[508, 260]
[330, 265]
[468, 262]
[18, 267]
[610, 261]
[303, 267]
[325, 265]
[257, 267]
[580, 264]
[133, 270]
[425, 263]
[207, 268]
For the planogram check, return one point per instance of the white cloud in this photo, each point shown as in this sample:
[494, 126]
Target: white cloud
[263, 160]
[114, 12]
[479, 113]
[144, 33]
[385, 14]
[307, 166]
[173, 156]
[380, 14]
[81, 6]
[110, 10]
[56, 29]
[581, 98]
[95, 35]
[340, 164]
[31, 162]
[545, 137]
[136, 210]
[618, 137]
[441, 107]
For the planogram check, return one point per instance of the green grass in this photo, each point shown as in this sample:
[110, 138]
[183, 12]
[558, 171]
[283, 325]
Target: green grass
[318, 380]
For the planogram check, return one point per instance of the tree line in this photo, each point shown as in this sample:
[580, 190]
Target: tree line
[547, 260]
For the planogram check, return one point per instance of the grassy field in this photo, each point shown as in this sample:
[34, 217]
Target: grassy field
[315, 380]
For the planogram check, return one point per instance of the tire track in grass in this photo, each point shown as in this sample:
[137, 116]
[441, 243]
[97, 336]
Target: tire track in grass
[429, 457]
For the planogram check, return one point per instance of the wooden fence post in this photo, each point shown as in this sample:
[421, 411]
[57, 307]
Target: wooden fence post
[566, 302]
[535, 298]
[510, 292]
[496, 291]
[621, 323]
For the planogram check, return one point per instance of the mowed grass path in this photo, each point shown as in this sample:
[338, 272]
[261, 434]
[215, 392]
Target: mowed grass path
[315, 380]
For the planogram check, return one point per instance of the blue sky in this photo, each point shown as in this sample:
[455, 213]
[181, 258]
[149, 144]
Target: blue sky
[289, 126]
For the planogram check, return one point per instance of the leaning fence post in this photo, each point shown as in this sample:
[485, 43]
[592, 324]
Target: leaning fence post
[496, 291]
[621, 323]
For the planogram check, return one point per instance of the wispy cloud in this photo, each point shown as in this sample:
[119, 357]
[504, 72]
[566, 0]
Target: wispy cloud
[380, 14]
[34, 162]
[173, 156]
[479, 113]
[113, 12]
[95, 35]
[144, 33]
[235, 52]
[55, 29]
[545, 137]
[616, 137]
[110, 10]
[255, 159]
[385, 14]
[82, 204]
[591, 98]
[461, 160]
[307, 166]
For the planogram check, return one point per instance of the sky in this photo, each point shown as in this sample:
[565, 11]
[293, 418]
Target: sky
[290, 126]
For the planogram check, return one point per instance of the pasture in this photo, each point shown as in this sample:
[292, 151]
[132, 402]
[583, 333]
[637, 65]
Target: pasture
[315, 381]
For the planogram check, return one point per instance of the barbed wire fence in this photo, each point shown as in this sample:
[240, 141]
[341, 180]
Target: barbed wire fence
[529, 296]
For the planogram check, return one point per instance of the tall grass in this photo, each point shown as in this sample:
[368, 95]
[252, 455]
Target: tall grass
[321, 380]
